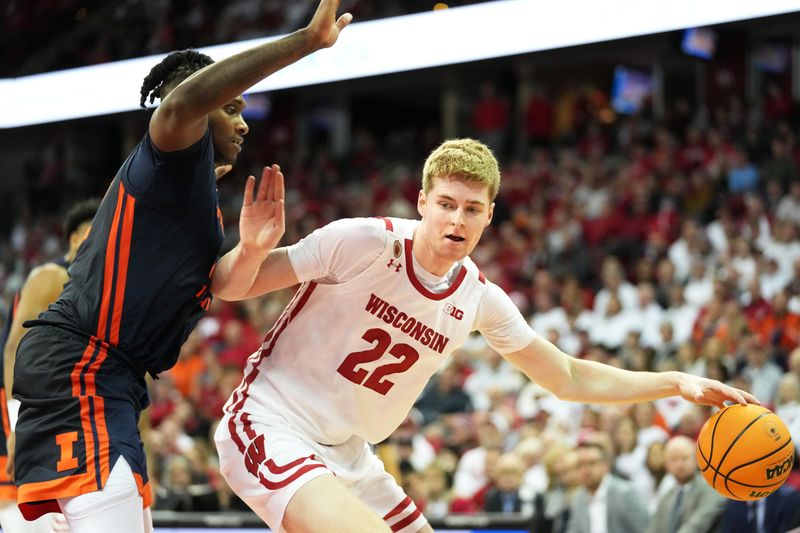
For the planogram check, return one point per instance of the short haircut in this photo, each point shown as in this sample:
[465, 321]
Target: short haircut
[465, 159]
[79, 214]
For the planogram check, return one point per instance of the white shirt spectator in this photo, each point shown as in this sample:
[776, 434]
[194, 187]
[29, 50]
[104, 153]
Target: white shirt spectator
[649, 322]
[494, 374]
[698, 291]
[784, 253]
[470, 476]
[682, 319]
[788, 209]
[764, 380]
[681, 257]
[611, 331]
[554, 318]
[790, 414]
[627, 294]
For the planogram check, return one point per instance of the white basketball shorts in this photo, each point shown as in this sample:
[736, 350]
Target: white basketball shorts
[266, 462]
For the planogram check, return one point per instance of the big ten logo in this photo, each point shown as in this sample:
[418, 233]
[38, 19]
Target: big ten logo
[453, 311]
[779, 469]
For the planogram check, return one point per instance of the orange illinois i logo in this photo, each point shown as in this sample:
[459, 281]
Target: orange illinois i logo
[65, 442]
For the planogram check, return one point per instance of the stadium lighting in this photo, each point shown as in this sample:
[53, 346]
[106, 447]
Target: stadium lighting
[423, 40]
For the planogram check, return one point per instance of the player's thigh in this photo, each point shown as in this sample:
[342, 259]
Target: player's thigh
[425, 529]
[266, 465]
[117, 503]
[324, 504]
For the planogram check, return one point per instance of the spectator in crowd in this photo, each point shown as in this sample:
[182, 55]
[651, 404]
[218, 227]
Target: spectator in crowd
[777, 513]
[552, 507]
[505, 496]
[692, 506]
[604, 502]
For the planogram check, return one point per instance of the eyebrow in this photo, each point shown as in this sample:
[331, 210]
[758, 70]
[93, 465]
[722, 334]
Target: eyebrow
[239, 101]
[446, 197]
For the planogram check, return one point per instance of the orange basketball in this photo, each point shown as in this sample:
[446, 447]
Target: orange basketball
[745, 452]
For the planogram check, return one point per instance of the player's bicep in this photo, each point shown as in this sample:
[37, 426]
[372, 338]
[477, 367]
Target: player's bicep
[174, 126]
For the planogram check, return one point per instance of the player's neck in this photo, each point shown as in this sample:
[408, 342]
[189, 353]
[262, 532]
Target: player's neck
[426, 258]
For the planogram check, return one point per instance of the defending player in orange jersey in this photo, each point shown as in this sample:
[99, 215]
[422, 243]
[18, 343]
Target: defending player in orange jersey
[382, 304]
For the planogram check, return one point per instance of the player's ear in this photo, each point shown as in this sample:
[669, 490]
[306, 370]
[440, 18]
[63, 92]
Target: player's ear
[422, 203]
[491, 214]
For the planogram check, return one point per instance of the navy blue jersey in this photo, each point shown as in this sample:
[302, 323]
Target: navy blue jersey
[140, 281]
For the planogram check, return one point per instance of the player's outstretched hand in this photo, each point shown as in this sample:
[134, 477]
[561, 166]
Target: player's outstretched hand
[324, 27]
[711, 392]
[262, 220]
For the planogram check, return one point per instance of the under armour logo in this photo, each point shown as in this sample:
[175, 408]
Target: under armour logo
[397, 266]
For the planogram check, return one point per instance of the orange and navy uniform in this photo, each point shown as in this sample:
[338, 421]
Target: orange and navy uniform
[138, 286]
[8, 491]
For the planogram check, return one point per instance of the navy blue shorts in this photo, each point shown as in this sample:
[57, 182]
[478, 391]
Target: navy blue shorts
[80, 412]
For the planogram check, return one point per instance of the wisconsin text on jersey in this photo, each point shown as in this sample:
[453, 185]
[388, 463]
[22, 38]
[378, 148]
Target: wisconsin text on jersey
[407, 324]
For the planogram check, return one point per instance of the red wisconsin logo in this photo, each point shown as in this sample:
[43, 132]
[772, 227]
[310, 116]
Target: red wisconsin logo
[453, 311]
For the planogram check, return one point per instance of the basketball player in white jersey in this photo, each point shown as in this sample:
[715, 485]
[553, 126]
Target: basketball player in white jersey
[381, 305]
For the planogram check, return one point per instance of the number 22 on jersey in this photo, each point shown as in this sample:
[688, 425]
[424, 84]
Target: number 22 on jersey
[381, 343]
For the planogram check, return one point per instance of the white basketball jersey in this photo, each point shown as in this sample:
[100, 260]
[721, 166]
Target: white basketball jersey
[351, 358]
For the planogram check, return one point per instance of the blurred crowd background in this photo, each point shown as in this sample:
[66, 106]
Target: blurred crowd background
[664, 237]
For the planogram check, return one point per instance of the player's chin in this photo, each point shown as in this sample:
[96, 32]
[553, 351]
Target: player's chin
[227, 158]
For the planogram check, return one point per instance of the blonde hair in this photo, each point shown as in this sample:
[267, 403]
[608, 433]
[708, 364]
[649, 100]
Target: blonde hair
[465, 159]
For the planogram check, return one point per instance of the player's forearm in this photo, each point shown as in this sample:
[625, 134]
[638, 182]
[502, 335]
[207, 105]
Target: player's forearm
[235, 273]
[219, 83]
[593, 382]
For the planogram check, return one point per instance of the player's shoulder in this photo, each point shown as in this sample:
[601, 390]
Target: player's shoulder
[364, 231]
[473, 270]
[401, 227]
[46, 277]
[47, 271]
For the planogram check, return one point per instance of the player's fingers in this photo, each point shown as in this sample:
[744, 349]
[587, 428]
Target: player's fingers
[273, 173]
[734, 395]
[281, 215]
[749, 397]
[248, 191]
[343, 21]
[279, 191]
[264, 184]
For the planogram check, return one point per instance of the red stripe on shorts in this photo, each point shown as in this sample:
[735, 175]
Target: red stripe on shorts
[406, 521]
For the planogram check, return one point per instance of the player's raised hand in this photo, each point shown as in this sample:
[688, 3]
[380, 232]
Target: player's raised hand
[711, 392]
[324, 27]
[262, 220]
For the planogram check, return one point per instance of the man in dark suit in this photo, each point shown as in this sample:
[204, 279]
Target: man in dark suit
[774, 514]
[692, 506]
[605, 503]
[504, 496]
